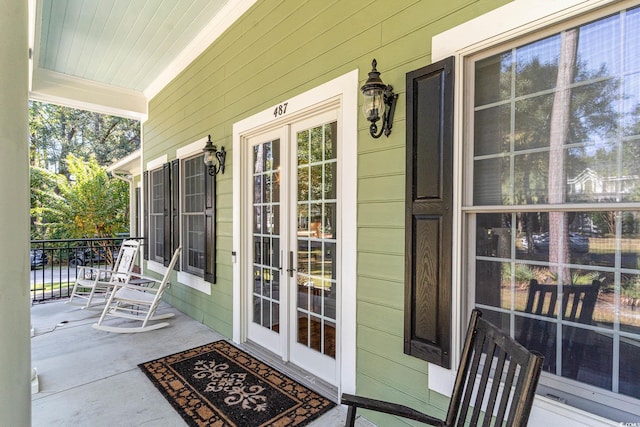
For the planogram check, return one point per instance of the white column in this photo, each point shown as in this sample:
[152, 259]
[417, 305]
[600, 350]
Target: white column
[15, 345]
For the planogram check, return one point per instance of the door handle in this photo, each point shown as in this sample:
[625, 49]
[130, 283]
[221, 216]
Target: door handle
[291, 269]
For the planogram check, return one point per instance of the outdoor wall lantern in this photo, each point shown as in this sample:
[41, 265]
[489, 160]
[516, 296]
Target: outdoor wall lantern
[214, 159]
[379, 102]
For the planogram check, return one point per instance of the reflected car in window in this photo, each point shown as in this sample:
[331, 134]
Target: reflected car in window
[577, 242]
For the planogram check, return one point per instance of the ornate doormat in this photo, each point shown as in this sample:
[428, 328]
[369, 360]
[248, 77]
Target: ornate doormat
[218, 384]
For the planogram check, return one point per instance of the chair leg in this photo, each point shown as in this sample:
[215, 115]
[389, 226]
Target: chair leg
[351, 417]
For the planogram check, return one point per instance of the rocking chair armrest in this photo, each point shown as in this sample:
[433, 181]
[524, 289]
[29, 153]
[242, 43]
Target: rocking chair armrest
[147, 278]
[96, 275]
[387, 407]
[95, 269]
[139, 287]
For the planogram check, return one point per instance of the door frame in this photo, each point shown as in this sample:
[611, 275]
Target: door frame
[342, 93]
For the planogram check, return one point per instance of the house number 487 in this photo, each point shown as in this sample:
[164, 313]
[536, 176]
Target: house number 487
[280, 109]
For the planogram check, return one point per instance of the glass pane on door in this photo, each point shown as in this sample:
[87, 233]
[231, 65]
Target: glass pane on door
[266, 235]
[316, 238]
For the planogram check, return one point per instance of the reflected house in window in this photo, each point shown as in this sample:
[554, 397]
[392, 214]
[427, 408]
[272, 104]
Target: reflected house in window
[589, 185]
[553, 144]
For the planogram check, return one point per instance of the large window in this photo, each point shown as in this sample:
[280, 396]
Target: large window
[194, 220]
[553, 205]
[193, 215]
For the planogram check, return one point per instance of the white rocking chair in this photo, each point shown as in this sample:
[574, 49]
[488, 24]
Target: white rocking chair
[138, 302]
[92, 282]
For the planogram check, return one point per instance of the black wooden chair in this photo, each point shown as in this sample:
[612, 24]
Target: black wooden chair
[504, 382]
[577, 305]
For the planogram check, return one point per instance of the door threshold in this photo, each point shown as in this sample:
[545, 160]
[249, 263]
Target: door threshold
[329, 391]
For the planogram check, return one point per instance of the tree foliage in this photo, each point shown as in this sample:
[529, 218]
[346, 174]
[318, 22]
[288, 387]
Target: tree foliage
[57, 131]
[89, 204]
[71, 194]
[44, 202]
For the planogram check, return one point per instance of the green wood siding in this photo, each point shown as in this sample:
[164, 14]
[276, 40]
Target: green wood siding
[280, 49]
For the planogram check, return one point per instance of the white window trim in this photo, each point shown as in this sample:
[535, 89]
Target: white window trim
[346, 88]
[157, 162]
[194, 282]
[140, 225]
[184, 278]
[191, 149]
[516, 19]
[156, 267]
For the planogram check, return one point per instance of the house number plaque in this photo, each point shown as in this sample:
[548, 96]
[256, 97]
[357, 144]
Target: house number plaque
[280, 110]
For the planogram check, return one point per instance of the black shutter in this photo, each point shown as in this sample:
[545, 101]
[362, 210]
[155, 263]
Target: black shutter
[175, 207]
[166, 210]
[429, 202]
[210, 229]
[145, 219]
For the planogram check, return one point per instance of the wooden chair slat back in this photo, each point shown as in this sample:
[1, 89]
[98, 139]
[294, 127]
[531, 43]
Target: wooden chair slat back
[494, 361]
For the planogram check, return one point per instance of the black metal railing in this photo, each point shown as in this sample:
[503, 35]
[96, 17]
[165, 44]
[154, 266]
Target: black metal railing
[55, 263]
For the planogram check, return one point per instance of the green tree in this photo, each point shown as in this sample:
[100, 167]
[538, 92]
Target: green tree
[44, 199]
[95, 205]
[89, 204]
[56, 131]
[98, 139]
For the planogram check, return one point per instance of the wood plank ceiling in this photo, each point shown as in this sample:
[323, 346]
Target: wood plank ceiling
[128, 47]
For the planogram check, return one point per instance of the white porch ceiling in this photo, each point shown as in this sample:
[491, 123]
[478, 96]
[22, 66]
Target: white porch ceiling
[113, 56]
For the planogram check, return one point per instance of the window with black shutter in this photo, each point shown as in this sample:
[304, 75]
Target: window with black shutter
[198, 219]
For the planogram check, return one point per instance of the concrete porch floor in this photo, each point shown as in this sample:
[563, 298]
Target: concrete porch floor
[91, 378]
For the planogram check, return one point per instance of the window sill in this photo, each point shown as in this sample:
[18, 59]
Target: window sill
[194, 282]
[156, 267]
[186, 279]
[545, 411]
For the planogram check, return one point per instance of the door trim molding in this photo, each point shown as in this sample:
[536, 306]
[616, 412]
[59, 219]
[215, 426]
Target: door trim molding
[341, 91]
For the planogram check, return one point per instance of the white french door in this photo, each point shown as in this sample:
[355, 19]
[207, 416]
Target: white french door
[265, 255]
[292, 212]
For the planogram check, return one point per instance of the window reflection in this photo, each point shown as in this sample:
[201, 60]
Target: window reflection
[492, 130]
[575, 288]
[595, 132]
[266, 229]
[316, 244]
[556, 128]
[536, 69]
